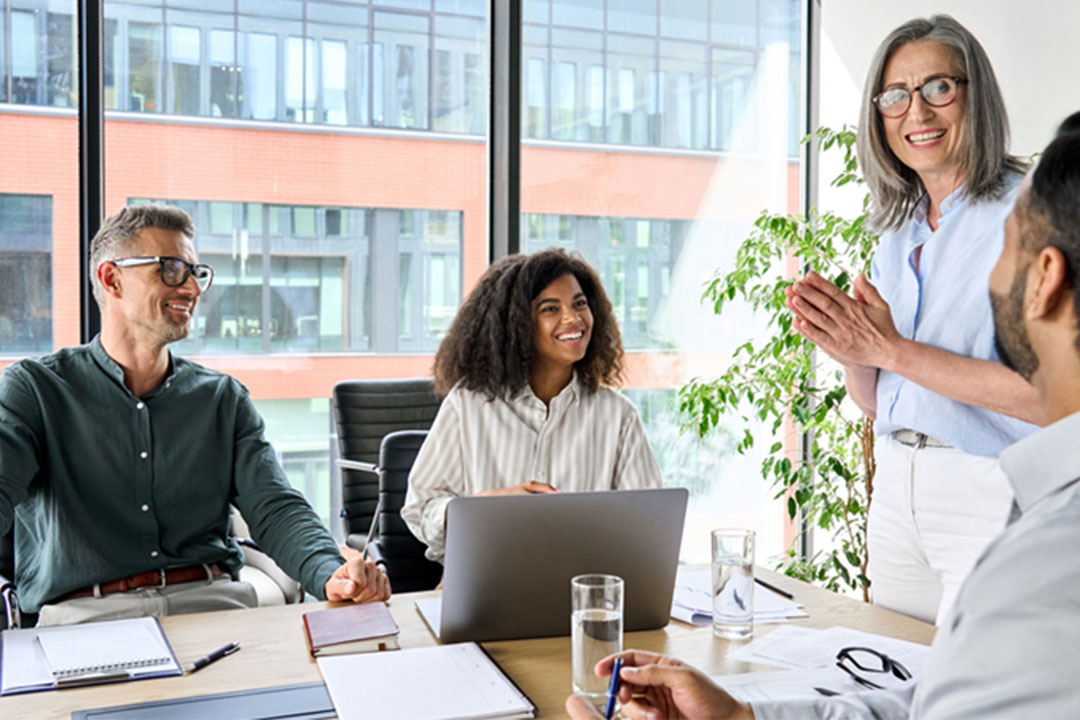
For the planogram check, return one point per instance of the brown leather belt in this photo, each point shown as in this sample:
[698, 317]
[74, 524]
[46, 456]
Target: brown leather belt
[153, 578]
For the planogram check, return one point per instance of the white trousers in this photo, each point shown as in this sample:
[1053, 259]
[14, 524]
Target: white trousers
[932, 513]
[199, 596]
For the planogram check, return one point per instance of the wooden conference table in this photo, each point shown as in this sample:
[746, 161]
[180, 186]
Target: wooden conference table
[273, 651]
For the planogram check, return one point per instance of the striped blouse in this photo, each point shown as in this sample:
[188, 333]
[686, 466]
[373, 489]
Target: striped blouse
[584, 442]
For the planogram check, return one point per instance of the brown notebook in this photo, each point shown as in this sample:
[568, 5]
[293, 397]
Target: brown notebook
[350, 629]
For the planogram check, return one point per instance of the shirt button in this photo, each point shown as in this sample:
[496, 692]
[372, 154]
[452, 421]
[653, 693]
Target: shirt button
[145, 508]
[153, 553]
[140, 406]
[144, 454]
[168, 384]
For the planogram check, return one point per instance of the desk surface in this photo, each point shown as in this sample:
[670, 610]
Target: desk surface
[274, 652]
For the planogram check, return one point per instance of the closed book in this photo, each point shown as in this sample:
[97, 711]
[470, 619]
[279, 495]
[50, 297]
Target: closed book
[350, 629]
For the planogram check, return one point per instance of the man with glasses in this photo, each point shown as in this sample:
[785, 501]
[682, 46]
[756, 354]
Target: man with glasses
[119, 461]
[1008, 647]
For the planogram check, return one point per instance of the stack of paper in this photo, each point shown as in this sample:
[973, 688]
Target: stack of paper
[692, 602]
[810, 656]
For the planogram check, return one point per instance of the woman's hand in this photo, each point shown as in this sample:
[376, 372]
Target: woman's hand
[856, 332]
[529, 488]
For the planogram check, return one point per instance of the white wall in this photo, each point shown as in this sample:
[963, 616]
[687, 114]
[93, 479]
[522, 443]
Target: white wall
[1034, 46]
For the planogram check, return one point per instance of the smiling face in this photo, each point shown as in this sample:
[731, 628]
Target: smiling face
[152, 309]
[561, 323]
[927, 139]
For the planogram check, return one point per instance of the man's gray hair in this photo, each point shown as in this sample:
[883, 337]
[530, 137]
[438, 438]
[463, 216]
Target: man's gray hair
[985, 159]
[114, 239]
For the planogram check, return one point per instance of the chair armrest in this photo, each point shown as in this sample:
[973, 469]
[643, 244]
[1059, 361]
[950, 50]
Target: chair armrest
[374, 553]
[12, 617]
[358, 465]
[256, 558]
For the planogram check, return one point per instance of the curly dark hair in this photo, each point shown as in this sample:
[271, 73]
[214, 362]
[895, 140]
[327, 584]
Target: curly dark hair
[489, 347]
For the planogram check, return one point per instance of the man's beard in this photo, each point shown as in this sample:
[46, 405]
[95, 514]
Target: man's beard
[1010, 335]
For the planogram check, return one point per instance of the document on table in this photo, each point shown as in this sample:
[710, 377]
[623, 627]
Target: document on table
[431, 683]
[807, 649]
[810, 656]
[692, 602]
[110, 651]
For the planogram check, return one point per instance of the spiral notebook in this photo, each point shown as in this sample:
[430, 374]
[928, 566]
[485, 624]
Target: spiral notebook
[69, 655]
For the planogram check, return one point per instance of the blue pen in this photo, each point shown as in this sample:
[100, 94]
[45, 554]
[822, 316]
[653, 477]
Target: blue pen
[613, 689]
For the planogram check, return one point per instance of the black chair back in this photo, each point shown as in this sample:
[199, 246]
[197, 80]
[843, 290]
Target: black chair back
[392, 543]
[364, 412]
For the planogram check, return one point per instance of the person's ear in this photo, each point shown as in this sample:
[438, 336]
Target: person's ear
[1050, 291]
[108, 276]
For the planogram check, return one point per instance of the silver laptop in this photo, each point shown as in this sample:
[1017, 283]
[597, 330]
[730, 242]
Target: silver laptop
[509, 560]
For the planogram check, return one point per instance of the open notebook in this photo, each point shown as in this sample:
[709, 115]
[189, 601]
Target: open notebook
[447, 681]
[67, 655]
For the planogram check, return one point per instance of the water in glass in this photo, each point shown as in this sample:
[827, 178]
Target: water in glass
[733, 597]
[596, 634]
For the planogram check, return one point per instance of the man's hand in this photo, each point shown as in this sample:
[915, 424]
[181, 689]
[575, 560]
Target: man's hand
[855, 331]
[655, 686]
[530, 488]
[358, 580]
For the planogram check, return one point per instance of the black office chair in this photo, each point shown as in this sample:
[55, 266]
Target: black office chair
[390, 541]
[364, 412]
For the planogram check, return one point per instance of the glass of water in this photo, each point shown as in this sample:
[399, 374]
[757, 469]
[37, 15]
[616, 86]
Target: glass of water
[596, 623]
[733, 583]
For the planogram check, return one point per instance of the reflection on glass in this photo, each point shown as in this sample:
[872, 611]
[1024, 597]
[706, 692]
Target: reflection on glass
[144, 67]
[400, 66]
[338, 278]
[184, 53]
[732, 73]
[26, 242]
[260, 76]
[300, 79]
[224, 74]
[459, 98]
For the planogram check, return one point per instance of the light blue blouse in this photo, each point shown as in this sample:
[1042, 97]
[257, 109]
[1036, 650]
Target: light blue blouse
[945, 304]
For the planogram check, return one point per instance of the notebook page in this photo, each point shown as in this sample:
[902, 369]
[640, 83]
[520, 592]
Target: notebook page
[449, 681]
[135, 645]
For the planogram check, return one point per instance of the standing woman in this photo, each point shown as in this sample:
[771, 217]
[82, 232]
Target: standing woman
[527, 369]
[917, 343]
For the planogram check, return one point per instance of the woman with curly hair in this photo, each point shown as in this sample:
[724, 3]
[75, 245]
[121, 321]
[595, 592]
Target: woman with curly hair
[527, 371]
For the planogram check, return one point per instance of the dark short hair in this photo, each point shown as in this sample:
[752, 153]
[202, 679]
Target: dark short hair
[1053, 202]
[489, 347]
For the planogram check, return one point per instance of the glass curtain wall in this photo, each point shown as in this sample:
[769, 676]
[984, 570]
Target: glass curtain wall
[332, 155]
[39, 206]
[653, 134]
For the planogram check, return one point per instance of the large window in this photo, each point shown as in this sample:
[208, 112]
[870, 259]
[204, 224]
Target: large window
[705, 95]
[332, 153]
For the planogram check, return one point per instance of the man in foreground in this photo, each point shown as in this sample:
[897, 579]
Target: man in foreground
[1008, 647]
[119, 461]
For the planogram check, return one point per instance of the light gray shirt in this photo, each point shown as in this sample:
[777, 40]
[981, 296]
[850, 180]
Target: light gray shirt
[1010, 648]
[583, 442]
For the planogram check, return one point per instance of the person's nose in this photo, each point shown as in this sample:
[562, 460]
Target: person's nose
[190, 288]
[920, 109]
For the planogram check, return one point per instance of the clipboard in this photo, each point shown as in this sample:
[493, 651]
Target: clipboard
[50, 658]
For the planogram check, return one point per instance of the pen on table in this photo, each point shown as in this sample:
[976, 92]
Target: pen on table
[775, 589]
[613, 689]
[216, 655]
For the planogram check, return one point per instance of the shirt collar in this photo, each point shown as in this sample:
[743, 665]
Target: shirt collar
[567, 395]
[1043, 462]
[113, 369]
[953, 202]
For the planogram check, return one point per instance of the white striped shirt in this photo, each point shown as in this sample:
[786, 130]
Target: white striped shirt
[584, 442]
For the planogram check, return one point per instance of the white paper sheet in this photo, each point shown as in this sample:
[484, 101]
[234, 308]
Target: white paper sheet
[692, 602]
[447, 681]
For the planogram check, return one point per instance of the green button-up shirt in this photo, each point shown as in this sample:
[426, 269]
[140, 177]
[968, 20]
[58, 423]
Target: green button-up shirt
[101, 484]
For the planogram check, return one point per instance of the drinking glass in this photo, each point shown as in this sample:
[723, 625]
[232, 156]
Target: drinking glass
[733, 583]
[596, 623]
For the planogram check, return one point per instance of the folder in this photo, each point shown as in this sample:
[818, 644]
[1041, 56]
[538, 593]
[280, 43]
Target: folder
[48, 658]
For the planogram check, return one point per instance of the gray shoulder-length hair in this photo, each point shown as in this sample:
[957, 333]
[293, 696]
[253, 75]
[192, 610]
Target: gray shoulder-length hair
[894, 187]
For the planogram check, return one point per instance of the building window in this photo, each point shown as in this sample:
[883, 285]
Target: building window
[26, 243]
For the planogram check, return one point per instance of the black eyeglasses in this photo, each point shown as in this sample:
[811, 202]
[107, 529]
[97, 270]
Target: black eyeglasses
[174, 271]
[857, 660]
[938, 92]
